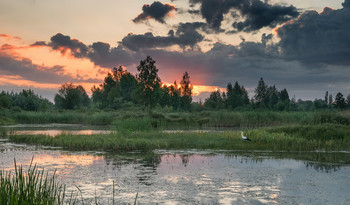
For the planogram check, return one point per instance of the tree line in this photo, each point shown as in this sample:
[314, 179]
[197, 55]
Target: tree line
[121, 88]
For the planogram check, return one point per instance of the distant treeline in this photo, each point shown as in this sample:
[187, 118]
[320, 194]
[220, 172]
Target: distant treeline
[123, 89]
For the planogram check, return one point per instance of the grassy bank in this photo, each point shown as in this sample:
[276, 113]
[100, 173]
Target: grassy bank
[163, 118]
[289, 138]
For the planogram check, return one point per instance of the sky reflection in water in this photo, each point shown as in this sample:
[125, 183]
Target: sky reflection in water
[192, 177]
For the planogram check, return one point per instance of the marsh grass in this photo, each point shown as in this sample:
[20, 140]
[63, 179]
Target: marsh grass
[31, 187]
[37, 187]
[288, 138]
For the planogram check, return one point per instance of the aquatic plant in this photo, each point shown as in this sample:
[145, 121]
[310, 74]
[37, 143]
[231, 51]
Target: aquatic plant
[31, 187]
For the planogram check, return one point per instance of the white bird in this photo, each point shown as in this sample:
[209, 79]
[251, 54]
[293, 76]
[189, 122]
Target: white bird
[244, 137]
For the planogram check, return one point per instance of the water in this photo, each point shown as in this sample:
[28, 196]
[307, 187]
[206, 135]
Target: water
[56, 129]
[194, 177]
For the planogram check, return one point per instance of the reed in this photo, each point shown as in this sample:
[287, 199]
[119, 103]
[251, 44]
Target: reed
[31, 187]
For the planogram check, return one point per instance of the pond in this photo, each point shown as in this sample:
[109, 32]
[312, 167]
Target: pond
[194, 176]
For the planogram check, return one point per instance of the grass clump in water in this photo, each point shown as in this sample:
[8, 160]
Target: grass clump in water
[31, 187]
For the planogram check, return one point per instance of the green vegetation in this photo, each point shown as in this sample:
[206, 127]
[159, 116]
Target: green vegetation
[288, 138]
[138, 119]
[36, 187]
[31, 187]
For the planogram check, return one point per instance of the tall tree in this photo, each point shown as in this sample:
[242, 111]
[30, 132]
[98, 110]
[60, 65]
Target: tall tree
[261, 93]
[186, 91]
[326, 98]
[117, 89]
[5, 100]
[149, 81]
[236, 96]
[175, 96]
[214, 101]
[71, 96]
[340, 101]
[330, 100]
[272, 95]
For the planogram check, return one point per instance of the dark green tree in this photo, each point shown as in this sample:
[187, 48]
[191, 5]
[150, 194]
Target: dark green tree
[326, 98]
[340, 101]
[330, 100]
[149, 81]
[320, 104]
[71, 96]
[27, 100]
[186, 92]
[236, 96]
[5, 100]
[284, 101]
[272, 95]
[214, 101]
[261, 94]
[118, 88]
[164, 96]
[175, 96]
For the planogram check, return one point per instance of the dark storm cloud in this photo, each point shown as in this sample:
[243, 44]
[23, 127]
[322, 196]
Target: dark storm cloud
[29, 71]
[60, 41]
[260, 14]
[318, 38]
[99, 53]
[186, 35]
[157, 10]
[63, 43]
[256, 14]
[104, 55]
[346, 4]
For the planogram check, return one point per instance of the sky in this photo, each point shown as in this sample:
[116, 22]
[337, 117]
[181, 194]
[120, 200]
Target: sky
[303, 46]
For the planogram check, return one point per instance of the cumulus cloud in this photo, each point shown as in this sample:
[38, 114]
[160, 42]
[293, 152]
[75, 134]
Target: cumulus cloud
[99, 53]
[256, 13]
[318, 38]
[104, 55]
[260, 14]
[157, 11]
[64, 43]
[186, 35]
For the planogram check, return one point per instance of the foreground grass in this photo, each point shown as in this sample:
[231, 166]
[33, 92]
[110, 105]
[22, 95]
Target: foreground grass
[31, 187]
[37, 187]
[288, 138]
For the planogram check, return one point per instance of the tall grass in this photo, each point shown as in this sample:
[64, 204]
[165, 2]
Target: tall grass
[297, 138]
[31, 187]
[148, 119]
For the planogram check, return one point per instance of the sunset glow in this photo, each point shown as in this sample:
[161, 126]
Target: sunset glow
[179, 36]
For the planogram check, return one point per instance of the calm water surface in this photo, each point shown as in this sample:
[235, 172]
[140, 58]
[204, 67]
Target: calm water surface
[194, 177]
[55, 129]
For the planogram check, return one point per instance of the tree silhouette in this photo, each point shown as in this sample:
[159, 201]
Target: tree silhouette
[261, 93]
[186, 92]
[149, 81]
[340, 101]
[71, 96]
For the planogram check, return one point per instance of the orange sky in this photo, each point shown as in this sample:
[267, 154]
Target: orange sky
[218, 58]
